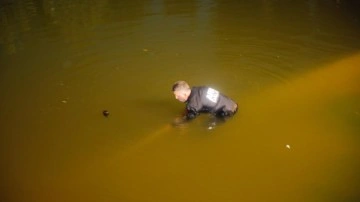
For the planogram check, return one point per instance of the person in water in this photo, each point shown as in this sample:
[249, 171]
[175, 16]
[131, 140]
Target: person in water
[201, 99]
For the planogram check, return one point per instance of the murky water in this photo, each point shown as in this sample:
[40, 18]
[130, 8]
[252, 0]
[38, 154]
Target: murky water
[293, 66]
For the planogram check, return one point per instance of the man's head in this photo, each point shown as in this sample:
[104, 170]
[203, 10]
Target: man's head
[181, 90]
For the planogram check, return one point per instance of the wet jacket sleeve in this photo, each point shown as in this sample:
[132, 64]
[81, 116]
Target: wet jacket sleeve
[191, 113]
[194, 103]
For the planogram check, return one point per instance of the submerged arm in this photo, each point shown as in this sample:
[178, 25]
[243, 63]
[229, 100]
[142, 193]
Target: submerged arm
[191, 113]
[186, 116]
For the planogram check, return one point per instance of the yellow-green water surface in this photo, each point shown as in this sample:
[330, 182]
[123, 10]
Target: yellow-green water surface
[292, 66]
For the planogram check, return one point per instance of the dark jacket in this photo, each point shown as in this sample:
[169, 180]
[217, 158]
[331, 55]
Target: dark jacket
[206, 99]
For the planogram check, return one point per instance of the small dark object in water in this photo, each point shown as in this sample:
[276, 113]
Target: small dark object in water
[106, 113]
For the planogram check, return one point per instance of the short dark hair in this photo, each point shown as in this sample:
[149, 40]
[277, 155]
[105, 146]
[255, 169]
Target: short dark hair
[180, 85]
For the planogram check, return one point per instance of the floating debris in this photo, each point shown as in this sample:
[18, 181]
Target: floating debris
[65, 100]
[106, 113]
[288, 146]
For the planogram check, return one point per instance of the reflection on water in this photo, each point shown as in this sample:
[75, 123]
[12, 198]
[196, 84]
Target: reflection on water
[291, 65]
